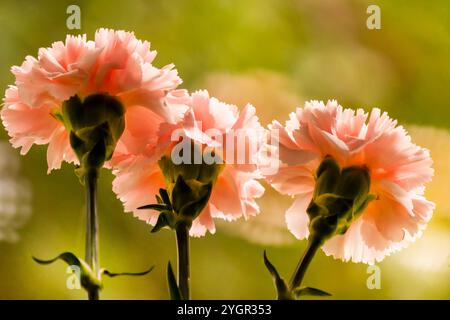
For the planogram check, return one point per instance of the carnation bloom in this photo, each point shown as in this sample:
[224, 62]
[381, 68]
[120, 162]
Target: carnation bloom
[398, 170]
[208, 123]
[115, 63]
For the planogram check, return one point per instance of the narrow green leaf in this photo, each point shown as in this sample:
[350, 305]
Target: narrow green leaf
[165, 197]
[282, 289]
[67, 257]
[155, 206]
[111, 274]
[308, 291]
[175, 293]
[161, 222]
[87, 277]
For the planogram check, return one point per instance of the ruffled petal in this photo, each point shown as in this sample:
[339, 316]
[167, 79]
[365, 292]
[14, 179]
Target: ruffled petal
[292, 180]
[137, 182]
[59, 150]
[297, 219]
[25, 125]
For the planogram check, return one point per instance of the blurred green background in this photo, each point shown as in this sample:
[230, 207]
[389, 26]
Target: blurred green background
[274, 54]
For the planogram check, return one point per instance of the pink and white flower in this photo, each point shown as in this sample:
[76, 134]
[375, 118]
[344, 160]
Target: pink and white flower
[116, 63]
[209, 123]
[398, 171]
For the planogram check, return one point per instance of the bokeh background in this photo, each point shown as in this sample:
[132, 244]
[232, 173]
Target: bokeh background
[274, 54]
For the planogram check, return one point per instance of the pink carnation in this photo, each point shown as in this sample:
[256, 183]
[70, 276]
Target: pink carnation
[138, 176]
[398, 170]
[115, 63]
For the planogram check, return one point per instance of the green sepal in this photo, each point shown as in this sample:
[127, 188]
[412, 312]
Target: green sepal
[97, 156]
[88, 279]
[354, 183]
[190, 197]
[160, 223]
[164, 197]
[181, 194]
[174, 290]
[308, 291]
[159, 200]
[71, 110]
[187, 200]
[155, 206]
[77, 145]
[283, 292]
[165, 219]
[192, 209]
[327, 176]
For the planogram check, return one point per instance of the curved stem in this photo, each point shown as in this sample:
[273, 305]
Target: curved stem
[182, 232]
[314, 243]
[92, 258]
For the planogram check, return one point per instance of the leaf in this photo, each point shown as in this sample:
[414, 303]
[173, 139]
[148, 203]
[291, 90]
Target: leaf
[158, 199]
[155, 206]
[87, 277]
[161, 222]
[67, 257]
[165, 197]
[308, 291]
[111, 274]
[175, 293]
[282, 289]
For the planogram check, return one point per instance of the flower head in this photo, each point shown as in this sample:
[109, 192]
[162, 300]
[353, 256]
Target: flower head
[116, 64]
[222, 138]
[362, 172]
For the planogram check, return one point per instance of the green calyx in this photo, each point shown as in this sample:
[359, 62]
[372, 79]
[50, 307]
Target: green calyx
[189, 187]
[339, 198]
[95, 124]
[192, 166]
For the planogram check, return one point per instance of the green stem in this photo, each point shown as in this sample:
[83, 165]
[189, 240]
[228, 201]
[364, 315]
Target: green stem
[314, 243]
[182, 232]
[92, 258]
